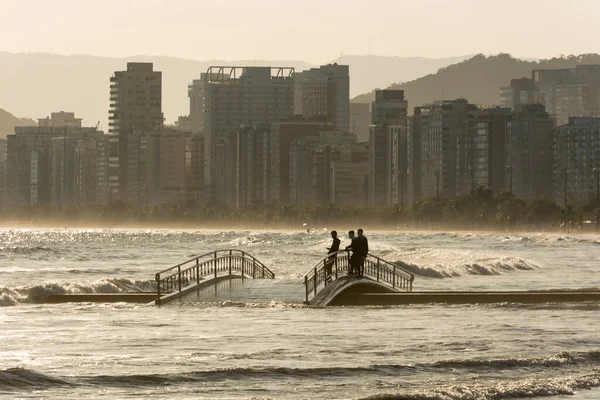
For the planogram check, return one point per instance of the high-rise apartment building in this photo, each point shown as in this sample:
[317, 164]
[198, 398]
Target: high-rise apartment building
[360, 120]
[159, 169]
[2, 174]
[28, 161]
[78, 164]
[443, 129]
[413, 156]
[174, 171]
[283, 135]
[485, 158]
[413, 159]
[62, 160]
[135, 108]
[328, 169]
[197, 168]
[350, 175]
[90, 164]
[577, 156]
[388, 151]
[573, 92]
[307, 170]
[183, 124]
[78, 161]
[253, 169]
[197, 104]
[324, 94]
[529, 153]
[60, 119]
[236, 97]
[521, 91]
[568, 92]
[323, 167]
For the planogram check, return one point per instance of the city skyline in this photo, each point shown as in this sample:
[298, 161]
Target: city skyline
[258, 135]
[338, 28]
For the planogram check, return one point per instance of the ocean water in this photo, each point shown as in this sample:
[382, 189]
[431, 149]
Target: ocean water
[233, 350]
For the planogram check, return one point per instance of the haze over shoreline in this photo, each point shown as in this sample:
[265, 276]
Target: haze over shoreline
[342, 228]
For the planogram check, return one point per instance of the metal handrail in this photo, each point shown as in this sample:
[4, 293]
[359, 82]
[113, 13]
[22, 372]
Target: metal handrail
[209, 254]
[213, 264]
[376, 268]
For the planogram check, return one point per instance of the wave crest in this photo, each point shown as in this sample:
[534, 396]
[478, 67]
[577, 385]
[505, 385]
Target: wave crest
[10, 296]
[523, 388]
[434, 263]
[22, 378]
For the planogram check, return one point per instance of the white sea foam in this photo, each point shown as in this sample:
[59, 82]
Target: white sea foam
[10, 296]
[444, 263]
[522, 388]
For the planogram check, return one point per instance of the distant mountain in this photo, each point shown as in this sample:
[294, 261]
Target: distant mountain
[37, 84]
[477, 79]
[370, 71]
[9, 121]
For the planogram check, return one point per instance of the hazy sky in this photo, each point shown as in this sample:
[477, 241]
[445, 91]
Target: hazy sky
[312, 30]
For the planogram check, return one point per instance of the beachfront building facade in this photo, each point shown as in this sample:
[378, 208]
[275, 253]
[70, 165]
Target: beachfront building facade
[236, 97]
[577, 156]
[135, 108]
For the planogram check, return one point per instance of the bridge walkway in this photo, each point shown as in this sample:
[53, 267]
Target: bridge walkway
[289, 291]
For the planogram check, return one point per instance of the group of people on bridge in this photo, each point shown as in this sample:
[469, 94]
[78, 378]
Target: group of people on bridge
[359, 246]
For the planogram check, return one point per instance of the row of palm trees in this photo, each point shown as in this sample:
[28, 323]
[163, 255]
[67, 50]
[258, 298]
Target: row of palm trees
[481, 209]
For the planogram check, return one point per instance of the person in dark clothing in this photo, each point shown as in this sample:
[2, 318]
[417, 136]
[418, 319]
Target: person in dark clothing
[353, 261]
[335, 247]
[362, 249]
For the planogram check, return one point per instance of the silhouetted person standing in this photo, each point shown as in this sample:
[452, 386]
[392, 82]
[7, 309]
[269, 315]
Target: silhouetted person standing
[352, 262]
[361, 250]
[335, 247]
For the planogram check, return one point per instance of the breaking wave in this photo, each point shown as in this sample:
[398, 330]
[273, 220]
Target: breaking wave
[435, 263]
[39, 293]
[21, 378]
[551, 238]
[515, 389]
[27, 250]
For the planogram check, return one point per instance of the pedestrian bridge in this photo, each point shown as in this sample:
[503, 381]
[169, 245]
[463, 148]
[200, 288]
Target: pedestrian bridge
[235, 275]
[329, 280]
[206, 270]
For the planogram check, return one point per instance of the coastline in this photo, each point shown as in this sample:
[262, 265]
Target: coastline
[288, 227]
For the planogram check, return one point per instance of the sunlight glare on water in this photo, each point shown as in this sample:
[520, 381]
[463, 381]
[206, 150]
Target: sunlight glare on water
[274, 350]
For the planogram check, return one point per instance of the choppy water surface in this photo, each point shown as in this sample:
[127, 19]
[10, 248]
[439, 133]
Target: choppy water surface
[234, 350]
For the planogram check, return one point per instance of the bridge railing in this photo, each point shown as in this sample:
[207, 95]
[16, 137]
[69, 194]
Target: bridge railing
[334, 265]
[214, 264]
